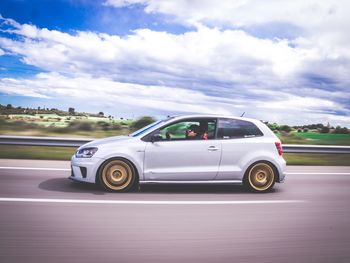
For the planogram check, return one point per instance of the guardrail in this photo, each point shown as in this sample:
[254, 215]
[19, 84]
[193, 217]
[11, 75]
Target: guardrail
[297, 148]
[43, 141]
[76, 142]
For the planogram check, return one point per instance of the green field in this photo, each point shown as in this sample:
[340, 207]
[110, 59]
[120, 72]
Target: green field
[325, 138]
[92, 127]
[54, 120]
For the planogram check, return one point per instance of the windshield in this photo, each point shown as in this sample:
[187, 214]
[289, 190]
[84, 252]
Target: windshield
[148, 127]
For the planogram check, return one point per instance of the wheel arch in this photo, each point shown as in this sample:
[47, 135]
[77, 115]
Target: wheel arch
[274, 167]
[97, 176]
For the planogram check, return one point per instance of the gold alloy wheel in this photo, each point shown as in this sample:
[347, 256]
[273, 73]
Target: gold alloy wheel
[117, 175]
[261, 177]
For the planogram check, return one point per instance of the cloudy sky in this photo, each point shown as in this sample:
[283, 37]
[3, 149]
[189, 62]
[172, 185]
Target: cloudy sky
[278, 60]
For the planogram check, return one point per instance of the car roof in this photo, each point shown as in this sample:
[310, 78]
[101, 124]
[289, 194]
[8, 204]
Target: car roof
[193, 116]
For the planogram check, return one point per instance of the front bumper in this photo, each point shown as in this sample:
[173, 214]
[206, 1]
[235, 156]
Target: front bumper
[85, 169]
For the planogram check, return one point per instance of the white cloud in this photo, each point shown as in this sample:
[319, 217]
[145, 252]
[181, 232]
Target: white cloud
[323, 23]
[121, 3]
[103, 90]
[207, 70]
[161, 100]
[307, 14]
[207, 53]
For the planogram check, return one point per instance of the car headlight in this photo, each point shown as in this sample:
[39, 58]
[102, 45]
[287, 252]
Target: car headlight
[86, 152]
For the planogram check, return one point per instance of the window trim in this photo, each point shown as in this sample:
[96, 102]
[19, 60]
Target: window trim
[147, 137]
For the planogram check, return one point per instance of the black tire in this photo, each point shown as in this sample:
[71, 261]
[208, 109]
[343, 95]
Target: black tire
[260, 177]
[118, 175]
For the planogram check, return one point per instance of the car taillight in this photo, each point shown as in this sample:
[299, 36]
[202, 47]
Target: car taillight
[279, 148]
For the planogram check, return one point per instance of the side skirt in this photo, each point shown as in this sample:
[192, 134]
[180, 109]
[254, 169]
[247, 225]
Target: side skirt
[193, 182]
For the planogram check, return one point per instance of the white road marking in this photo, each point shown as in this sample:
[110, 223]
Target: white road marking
[65, 169]
[34, 168]
[148, 202]
[301, 173]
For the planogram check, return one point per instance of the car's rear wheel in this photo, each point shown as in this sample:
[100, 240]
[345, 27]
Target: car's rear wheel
[260, 177]
[118, 175]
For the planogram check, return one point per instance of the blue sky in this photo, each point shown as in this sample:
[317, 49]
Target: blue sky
[284, 61]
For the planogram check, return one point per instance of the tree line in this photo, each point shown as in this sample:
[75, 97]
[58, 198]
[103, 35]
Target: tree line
[319, 127]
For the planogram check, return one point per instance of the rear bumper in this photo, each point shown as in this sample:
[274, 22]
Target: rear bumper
[281, 170]
[281, 180]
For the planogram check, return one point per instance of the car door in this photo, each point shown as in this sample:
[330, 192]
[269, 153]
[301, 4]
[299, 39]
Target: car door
[177, 157]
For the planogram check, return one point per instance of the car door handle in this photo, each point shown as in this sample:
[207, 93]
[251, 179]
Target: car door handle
[213, 148]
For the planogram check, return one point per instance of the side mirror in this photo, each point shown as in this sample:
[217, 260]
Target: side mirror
[156, 137]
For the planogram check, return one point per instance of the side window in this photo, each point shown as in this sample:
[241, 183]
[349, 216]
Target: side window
[196, 129]
[231, 128]
[176, 131]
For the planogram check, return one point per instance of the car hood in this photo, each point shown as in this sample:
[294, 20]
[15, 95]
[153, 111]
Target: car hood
[99, 142]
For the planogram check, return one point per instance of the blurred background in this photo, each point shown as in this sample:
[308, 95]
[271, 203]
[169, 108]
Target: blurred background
[68, 123]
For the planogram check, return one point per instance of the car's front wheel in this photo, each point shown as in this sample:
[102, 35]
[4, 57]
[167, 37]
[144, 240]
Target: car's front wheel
[260, 177]
[118, 175]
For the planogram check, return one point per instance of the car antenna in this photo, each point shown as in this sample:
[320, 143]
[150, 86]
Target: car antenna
[242, 114]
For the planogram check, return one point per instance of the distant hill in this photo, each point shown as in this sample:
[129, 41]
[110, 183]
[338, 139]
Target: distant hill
[10, 109]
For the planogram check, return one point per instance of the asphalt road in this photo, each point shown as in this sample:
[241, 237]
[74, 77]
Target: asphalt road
[306, 219]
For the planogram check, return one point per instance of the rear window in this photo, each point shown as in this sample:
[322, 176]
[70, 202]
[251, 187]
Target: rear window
[231, 128]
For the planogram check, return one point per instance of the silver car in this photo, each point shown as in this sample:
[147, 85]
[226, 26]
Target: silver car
[199, 149]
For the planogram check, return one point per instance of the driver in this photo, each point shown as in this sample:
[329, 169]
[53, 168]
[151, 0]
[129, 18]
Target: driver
[193, 132]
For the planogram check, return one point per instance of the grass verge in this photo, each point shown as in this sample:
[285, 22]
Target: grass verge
[63, 153]
[36, 152]
[317, 159]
